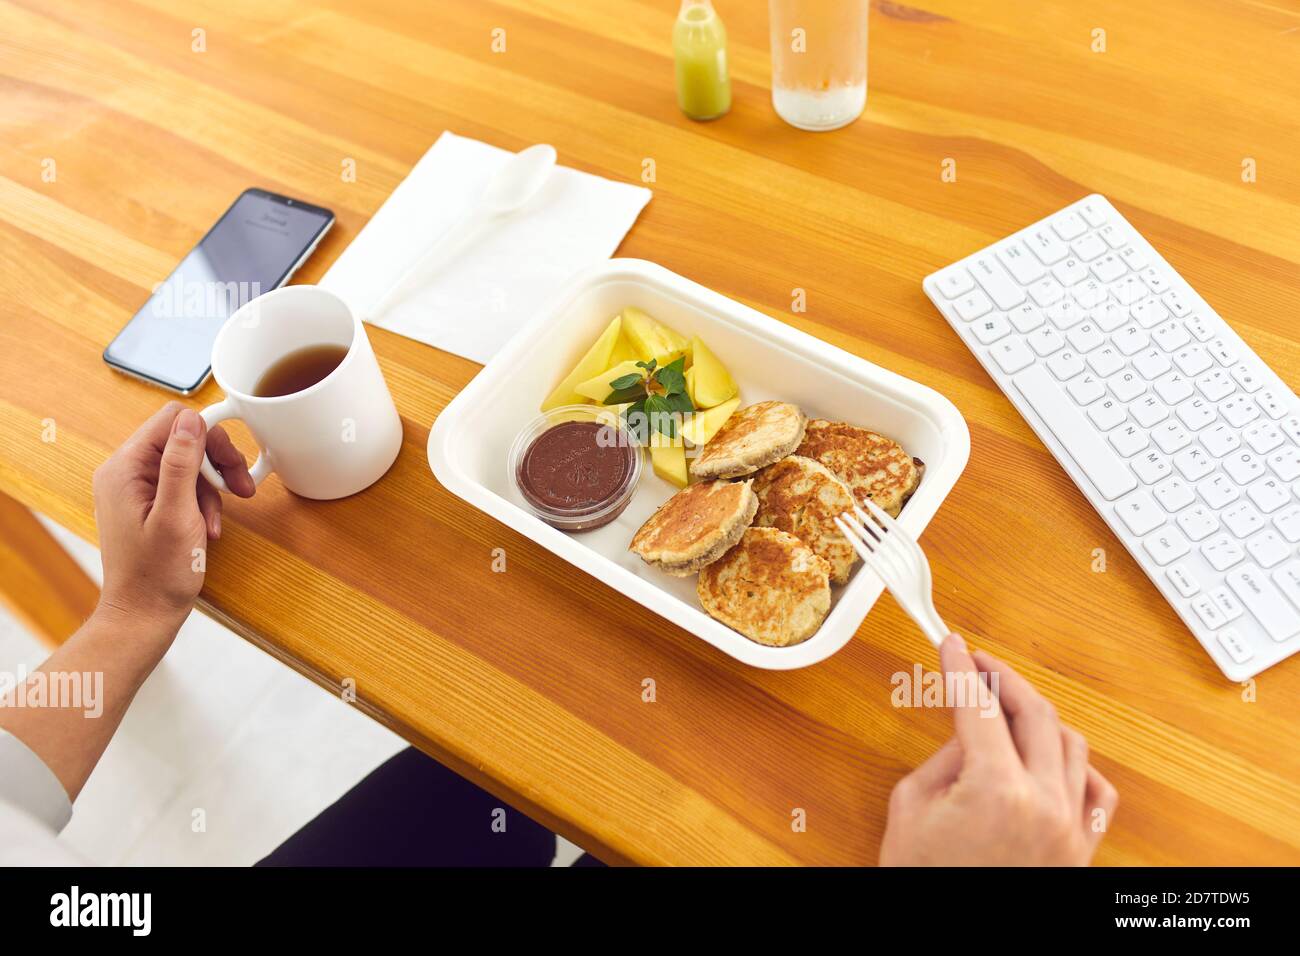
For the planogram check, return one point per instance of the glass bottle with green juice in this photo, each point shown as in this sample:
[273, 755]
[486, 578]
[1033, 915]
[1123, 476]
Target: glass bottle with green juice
[700, 50]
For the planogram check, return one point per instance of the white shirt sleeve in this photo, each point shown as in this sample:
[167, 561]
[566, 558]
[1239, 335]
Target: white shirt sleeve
[26, 784]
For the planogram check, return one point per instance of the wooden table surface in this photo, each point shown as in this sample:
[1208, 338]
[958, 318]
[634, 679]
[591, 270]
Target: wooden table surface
[530, 681]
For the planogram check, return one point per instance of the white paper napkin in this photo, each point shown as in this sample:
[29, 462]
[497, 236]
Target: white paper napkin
[475, 302]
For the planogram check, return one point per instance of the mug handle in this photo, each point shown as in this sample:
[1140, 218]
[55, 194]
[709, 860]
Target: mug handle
[261, 467]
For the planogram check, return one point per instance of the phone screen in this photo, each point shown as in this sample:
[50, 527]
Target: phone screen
[253, 248]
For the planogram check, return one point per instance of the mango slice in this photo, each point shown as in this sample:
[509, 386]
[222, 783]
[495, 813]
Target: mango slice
[702, 426]
[597, 387]
[651, 340]
[670, 462]
[710, 384]
[597, 358]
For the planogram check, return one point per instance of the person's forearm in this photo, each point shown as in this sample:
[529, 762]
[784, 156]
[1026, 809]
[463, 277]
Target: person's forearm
[108, 659]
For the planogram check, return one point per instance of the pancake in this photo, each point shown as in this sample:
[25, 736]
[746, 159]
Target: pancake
[770, 587]
[872, 465]
[801, 496]
[696, 526]
[752, 438]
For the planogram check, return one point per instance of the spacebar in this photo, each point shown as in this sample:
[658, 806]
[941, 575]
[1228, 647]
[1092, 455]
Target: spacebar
[1089, 450]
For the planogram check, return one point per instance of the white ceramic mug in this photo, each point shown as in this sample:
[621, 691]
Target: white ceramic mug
[331, 439]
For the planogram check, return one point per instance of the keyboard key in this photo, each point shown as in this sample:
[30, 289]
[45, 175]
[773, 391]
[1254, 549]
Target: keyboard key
[1198, 523]
[1011, 355]
[1243, 467]
[1171, 437]
[1240, 410]
[1263, 437]
[1286, 463]
[1247, 376]
[1107, 414]
[1088, 247]
[1026, 317]
[1129, 290]
[1150, 363]
[1193, 463]
[1196, 413]
[1275, 405]
[1065, 365]
[1275, 613]
[1049, 249]
[991, 328]
[1218, 491]
[1170, 335]
[1242, 519]
[1090, 452]
[1155, 280]
[1090, 294]
[1108, 268]
[1193, 360]
[994, 280]
[1132, 339]
[1220, 440]
[1165, 546]
[1070, 271]
[1140, 513]
[1222, 353]
[1269, 494]
[1177, 303]
[1173, 388]
[1268, 548]
[1227, 604]
[1208, 612]
[1291, 427]
[1223, 552]
[1109, 316]
[1045, 341]
[1148, 313]
[1065, 313]
[1020, 263]
[1182, 580]
[1287, 578]
[1046, 291]
[1134, 256]
[1128, 439]
[1174, 494]
[1287, 522]
[1216, 384]
[1151, 466]
[955, 282]
[1094, 211]
[972, 305]
[1115, 236]
[1149, 411]
[1085, 337]
[1106, 361]
[1085, 389]
[1199, 328]
[1235, 646]
[1126, 385]
[1069, 226]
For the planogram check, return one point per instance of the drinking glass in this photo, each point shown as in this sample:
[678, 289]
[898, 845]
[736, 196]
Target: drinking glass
[819, 61]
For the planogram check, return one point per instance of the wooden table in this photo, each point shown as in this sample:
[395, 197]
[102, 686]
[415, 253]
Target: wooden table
[530, 681]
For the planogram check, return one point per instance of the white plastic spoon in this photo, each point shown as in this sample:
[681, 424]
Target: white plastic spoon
[522, 176]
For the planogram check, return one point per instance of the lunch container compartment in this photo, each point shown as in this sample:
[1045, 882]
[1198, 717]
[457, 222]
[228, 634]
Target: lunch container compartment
[470, 443]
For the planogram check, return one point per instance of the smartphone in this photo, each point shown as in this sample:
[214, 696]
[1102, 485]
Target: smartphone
[256, 245]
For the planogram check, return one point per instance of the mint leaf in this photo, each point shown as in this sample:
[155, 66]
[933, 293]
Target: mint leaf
[672, 380]
[621, 395]
[627, 381]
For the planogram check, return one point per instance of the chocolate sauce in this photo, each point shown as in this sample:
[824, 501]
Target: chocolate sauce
[576, 468]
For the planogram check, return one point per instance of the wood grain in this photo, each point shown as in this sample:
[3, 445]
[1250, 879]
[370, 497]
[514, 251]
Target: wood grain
[530, 681]
[39, 581]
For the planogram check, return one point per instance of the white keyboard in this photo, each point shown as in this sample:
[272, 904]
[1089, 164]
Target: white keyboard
[1183, 440]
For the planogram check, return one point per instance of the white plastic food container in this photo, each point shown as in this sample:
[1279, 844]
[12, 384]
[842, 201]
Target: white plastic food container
[470, 442]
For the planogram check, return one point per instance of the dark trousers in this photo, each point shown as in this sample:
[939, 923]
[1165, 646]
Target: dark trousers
[413, 811]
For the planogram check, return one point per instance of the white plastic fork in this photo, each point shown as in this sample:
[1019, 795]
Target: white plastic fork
[898, 560]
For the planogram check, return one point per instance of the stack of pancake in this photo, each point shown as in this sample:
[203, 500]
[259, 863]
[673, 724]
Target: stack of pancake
[758, 525]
